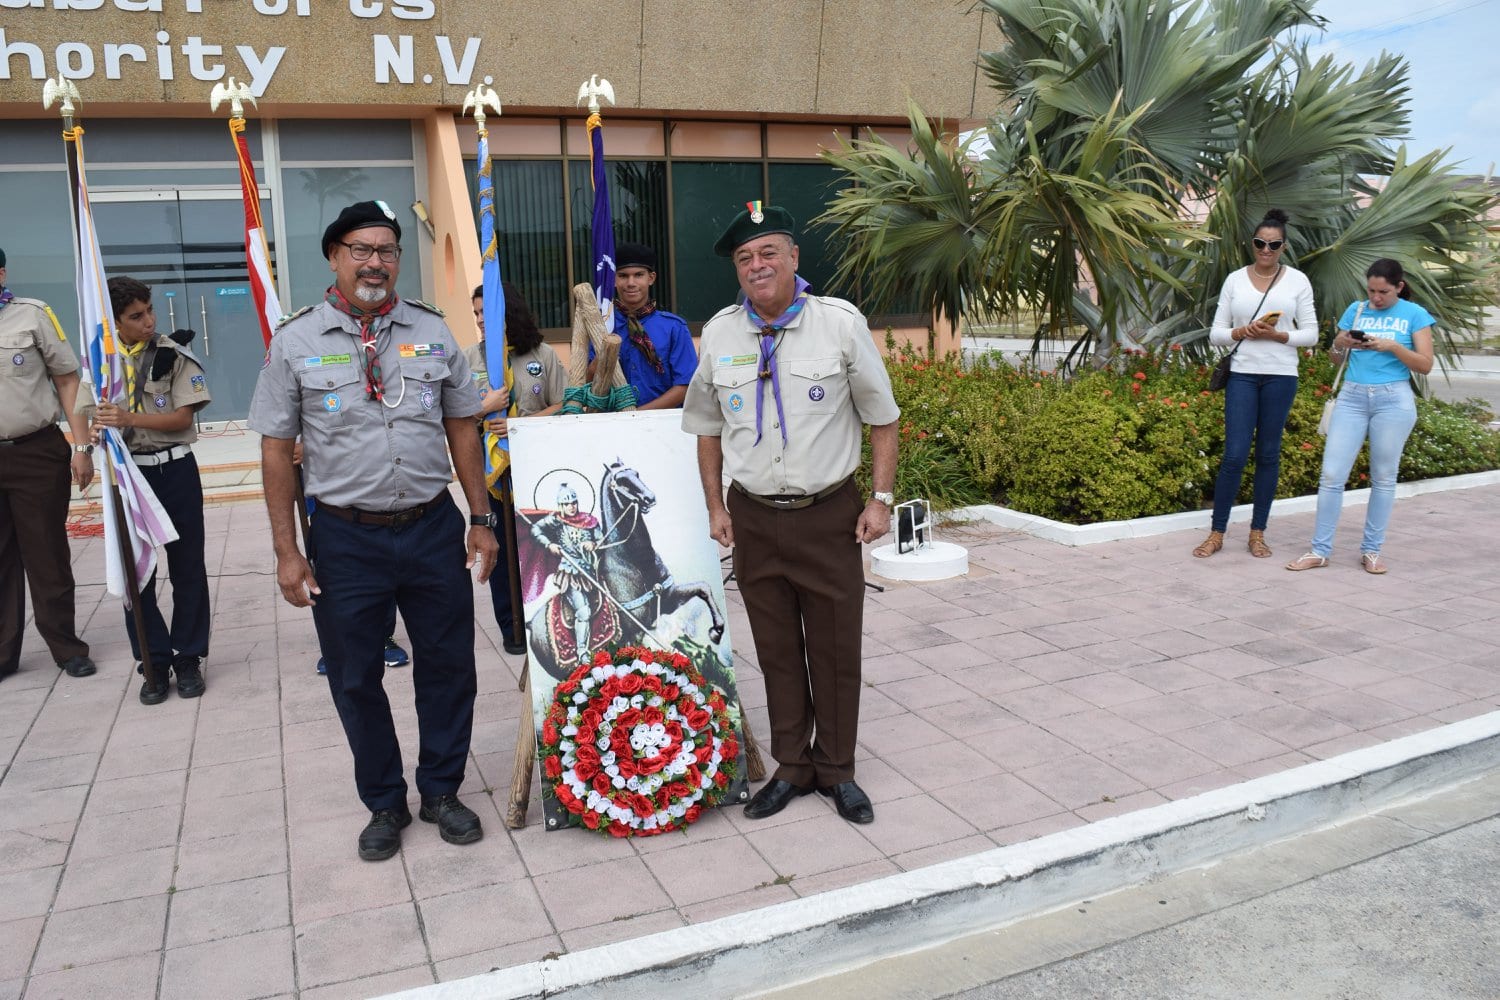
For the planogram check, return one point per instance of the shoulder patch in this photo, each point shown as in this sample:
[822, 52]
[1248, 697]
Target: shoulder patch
[426, 305]
[291, 316]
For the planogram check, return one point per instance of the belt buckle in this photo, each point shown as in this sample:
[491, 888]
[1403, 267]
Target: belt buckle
[405, 517]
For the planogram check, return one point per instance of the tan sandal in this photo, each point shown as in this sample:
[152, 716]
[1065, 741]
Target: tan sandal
[1372, 563]
[1213, 543]
[1257, 545]
[1310, 560]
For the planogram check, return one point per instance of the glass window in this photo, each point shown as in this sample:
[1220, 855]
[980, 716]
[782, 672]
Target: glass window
[622, 137]
[38, 141]
[183, 140]
[512, 137]
[533, 240]
[40, 265]
[167, 175]
[315, 196]
[803, 142]
[705, 198]
[325, 140]
[805, 189]
[733, 140]
[638, 205]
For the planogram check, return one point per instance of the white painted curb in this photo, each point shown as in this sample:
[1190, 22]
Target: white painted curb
[824, 934]
[1143, 527]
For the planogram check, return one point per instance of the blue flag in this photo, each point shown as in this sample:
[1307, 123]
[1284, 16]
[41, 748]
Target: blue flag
[497, 362]
[603, 226]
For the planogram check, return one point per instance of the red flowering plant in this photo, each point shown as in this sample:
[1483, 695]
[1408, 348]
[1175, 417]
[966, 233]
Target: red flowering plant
[637, 743]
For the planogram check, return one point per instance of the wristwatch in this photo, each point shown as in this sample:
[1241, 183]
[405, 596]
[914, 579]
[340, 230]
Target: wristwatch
[889, 499]
[83, 449]
[483, 520]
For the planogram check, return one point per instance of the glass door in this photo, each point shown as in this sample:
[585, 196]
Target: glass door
[188, 245]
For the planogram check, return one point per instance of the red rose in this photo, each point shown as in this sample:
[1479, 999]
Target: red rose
[685, 705]
[601, 783]
[601, 659]
[586, 770]
[721, 779]
[588, 753]
[670, 692]
[631, 684]
[651, 765]
[704, 753]
[591, 718]
[674, 733]
[731, 749]
[619, 830]
[692, 814]
[680, 661]
[645, 655]
[642, 806]
[566, 688]
[610, 688]
[549, 732]
[591, 820]
[662, 798]
[553, 767]
[698, 719]
[653, 684]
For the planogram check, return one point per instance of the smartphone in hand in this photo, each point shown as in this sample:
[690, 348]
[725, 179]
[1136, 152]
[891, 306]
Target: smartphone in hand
[1271, 318]
[1357, 334]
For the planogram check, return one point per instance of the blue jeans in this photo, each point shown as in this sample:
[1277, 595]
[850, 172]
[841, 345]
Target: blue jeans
[1254, 406]
[1386, 414]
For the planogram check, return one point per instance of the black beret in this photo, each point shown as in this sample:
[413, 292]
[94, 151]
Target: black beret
[751, 223]
[2, 258]
[366, 213]
[634, 255]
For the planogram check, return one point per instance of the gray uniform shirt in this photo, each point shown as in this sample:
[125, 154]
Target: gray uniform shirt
[832, 380]
[32, 350]
[538, 376]
[361, 452]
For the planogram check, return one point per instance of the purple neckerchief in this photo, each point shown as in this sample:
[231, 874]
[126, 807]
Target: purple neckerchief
[769, 370]
[5, 296]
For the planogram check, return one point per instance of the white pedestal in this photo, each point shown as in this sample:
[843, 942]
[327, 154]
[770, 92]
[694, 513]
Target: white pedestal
[938, 561]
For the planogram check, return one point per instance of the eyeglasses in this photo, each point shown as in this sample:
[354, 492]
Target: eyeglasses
[1260, 244]
[389, 253]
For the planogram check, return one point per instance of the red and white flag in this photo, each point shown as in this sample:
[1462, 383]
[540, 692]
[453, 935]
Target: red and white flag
[257, 254]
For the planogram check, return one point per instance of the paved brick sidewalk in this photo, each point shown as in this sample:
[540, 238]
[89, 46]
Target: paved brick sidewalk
[206, 848]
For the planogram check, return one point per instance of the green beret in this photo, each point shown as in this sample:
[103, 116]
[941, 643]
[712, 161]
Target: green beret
[751, 223]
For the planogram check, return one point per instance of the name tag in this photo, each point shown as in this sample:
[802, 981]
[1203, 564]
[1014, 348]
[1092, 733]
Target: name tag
[327, 359]
[738, 359]
[424, 351]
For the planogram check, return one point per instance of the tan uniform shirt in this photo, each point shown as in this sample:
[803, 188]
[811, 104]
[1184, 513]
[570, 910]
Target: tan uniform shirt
[538, 374]
[362, 452]
[832, 380]
[32, 350]
[183, 385]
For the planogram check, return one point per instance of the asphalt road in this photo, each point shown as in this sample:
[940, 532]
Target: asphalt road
[1400, 905]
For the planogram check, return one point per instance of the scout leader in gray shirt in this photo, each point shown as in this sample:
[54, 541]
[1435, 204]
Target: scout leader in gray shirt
[375, 386]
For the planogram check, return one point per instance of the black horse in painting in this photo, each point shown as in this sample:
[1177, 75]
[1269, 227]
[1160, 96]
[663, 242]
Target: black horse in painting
[638, 585]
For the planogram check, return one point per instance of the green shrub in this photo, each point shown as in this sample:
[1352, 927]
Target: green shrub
[1139, 438]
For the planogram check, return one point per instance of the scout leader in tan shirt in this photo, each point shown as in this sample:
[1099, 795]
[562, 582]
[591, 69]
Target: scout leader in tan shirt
[164, 387]
[782, 386]
[37, 371]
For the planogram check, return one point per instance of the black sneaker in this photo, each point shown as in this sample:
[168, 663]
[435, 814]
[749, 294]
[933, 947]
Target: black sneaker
[78, 666]
[154, 694]
[381, 837]
[515, 647]
[456, 822]
[189, 671]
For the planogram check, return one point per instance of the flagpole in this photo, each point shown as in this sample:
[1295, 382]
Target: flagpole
[67, 91]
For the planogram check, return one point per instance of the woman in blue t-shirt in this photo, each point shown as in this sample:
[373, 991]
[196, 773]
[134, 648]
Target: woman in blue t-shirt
[1385, 339]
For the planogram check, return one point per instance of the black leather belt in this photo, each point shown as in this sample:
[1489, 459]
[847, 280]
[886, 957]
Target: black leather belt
[797, 502]
[383, 519]
[26, 437]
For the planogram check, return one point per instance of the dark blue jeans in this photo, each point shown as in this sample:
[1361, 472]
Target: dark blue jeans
[363, 571]
[180, 490]
[1255, 407]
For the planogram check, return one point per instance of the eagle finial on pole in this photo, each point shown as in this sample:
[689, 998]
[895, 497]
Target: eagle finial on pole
[65, 90]
[235, 93]
[479, 98]
[594, 88]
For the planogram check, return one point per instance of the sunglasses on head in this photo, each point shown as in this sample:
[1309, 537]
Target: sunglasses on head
[1261, 244]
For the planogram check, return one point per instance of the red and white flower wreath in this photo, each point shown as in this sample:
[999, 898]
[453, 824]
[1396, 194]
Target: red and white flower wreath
[638, 743]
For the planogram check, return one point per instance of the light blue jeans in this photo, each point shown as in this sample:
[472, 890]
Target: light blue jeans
[1386, 414]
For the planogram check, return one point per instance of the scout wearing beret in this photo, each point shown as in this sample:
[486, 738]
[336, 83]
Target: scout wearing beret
[784, 383]
[656, 347]
[165, 386]
[376, 385]
[40, 371]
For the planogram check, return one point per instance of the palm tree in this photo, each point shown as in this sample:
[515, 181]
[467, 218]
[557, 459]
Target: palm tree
[1136, 144]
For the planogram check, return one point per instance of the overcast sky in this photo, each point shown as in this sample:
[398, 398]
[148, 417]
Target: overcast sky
[1451, 48]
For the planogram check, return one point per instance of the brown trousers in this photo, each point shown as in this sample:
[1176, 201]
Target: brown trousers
[801, 575]
[34, 545]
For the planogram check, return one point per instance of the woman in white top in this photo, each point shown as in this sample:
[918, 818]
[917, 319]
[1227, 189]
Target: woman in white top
[1266, 313]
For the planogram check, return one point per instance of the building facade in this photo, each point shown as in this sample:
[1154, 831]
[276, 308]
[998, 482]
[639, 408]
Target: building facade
[718, 103]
